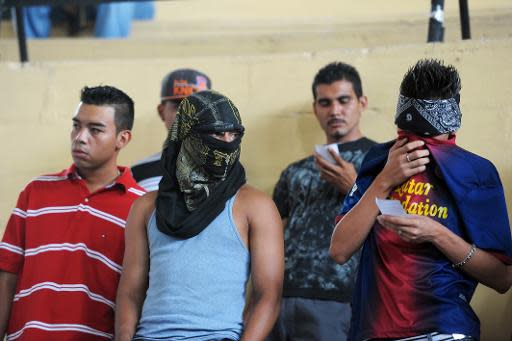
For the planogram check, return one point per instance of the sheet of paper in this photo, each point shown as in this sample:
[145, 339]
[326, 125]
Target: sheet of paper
[390, 207]
[323, 150]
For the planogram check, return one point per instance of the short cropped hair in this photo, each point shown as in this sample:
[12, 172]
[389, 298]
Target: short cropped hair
[431, 79]
[105, 95]
[337, 71]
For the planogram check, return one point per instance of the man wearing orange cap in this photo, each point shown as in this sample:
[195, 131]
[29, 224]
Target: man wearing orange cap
[175, 86]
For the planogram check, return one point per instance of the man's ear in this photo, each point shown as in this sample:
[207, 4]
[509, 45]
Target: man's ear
[364, 102]
[160, 110]
[123, 137]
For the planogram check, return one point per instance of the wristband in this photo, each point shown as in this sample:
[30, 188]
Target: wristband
[465, 260]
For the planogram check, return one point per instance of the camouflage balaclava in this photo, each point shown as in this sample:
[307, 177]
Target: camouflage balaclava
[200, 172]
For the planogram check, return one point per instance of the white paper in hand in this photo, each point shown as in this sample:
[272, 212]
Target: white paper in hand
[323, 151]
[390, 207]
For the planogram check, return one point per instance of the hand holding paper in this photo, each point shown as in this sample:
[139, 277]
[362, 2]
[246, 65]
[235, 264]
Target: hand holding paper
[323, 151]
[390, 207]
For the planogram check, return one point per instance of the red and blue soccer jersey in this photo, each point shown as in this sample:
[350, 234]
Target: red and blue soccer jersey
[406, 289]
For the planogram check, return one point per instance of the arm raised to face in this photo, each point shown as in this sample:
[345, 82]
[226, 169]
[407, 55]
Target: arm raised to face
[352, 230]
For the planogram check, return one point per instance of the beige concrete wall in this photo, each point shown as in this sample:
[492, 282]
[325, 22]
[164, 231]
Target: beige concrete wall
[273, 95]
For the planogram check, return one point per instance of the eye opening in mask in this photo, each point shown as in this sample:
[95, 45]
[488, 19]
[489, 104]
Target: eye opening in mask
[226, 136]
[220, 127]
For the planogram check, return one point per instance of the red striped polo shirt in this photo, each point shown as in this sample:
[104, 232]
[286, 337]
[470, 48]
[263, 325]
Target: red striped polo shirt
[66, 245]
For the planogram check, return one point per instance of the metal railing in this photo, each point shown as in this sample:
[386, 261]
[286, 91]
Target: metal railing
[20, 27]
[435, 24]
[435, 27]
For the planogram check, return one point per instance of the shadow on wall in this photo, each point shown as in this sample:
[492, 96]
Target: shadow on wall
[507, 314]
[269, 143]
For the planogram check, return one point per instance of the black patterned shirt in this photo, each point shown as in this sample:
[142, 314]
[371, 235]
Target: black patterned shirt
[310, 205]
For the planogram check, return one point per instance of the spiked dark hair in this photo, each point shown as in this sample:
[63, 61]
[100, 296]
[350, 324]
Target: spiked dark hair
[431, 79]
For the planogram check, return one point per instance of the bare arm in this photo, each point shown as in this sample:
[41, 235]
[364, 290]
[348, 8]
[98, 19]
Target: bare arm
[267, 265]
[7, 288]
[134, 279]
[482, 266]
[352, 230]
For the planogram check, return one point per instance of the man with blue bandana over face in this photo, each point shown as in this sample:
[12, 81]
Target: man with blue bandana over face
[419, 268]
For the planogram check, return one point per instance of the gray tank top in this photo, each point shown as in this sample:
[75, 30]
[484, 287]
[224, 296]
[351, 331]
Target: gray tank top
[196, 286]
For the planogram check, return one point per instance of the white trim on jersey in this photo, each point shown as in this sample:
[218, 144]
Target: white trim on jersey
[19, 212]
[72, 248]
[136, 191]
[67, 209]
[12, 248]
[63, 288]
[58, 327]
[50, 178]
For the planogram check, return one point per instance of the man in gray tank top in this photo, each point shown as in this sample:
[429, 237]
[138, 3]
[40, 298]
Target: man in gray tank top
[191, 246]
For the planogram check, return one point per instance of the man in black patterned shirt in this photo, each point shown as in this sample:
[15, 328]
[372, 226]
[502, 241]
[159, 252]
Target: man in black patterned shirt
[317, 291]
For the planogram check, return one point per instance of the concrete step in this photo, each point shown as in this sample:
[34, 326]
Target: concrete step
[485, 25]
[178, 33]
[191, 12]
[251, 39]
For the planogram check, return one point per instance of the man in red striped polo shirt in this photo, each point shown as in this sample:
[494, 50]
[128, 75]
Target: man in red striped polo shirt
[61, 254]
